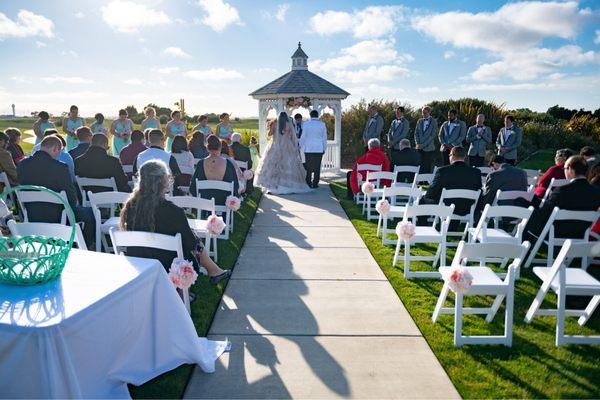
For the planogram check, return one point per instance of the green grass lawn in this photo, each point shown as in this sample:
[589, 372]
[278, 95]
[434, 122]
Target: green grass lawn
[172, 384]
[540, 160]
[532, 368]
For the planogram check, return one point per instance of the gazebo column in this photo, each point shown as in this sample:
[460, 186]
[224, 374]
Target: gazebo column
[338, 134]
[262, 125]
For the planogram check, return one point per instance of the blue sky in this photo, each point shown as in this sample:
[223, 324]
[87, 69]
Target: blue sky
[103, 55]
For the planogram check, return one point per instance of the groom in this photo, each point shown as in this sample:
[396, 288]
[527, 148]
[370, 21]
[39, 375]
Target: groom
[313, 143]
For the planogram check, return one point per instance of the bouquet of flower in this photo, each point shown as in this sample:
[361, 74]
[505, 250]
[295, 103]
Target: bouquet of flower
[233, 203]
[405, 230]
[367, 188]
[460, 279]
[248, 174]
[383, 207]
[215, 225]
[182, 273]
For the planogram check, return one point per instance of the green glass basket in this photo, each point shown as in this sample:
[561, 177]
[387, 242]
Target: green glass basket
[32, 260]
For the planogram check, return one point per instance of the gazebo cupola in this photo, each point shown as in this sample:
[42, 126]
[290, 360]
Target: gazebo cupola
[299, 59]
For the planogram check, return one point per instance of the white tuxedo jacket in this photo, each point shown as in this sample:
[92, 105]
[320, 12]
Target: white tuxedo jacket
[314, 136]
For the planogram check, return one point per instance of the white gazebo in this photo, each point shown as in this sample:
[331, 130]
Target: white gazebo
[302, 88]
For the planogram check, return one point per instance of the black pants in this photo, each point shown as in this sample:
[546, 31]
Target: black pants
[512, 162]
[349, 194]
[476, 161]
[426, 161]
[313, 168]
[446, 156]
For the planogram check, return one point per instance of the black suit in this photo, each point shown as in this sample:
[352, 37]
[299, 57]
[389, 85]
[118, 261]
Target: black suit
[406, 157]
[79, 150]
[42, 170]
[506, 178]
[458, 175]
[242, 153]
[96, 163]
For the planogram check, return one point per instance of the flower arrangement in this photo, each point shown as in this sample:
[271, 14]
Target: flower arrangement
[460, 279]
[233, 203]
[383, 207]
[215, 225]
[405, 230]
[298, 102]
[248, 174]
[182, 273]
[367, 188]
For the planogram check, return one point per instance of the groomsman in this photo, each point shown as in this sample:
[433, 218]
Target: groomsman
[424, 134]
[509, 140]
[313, 144]
[298, 125]
[478, 136]
[373, 127]
[398, 131]
[452, 134]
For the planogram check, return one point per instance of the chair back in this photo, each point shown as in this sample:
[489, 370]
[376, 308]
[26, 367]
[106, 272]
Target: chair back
[368, 167]
[532, 180]
[4, 180]
[554, 183]
[215, 185]
[376, 177]
[242, 164]
[84, 183]
[404, 170]
[420, 178]
[482, 252]
[193, 203]
[511, 195]
[463, 194]
[48, 230]
[569, 251]
[409, 194]
[497, 212]
[29, 196]
[107, 200]
[532, 172]
[124, 239]
[186, 170]
[485, 170]
[588, 217]
[128, 169]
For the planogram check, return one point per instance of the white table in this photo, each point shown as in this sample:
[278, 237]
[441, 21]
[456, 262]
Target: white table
[107, 321]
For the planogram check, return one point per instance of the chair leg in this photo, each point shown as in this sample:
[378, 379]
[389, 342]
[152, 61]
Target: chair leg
[537, 302]
[406, 259]
[560, 316]
[589, 310]
[495, 307]
[508, 321]
[98, 238]
[215, 248]
[550, 258]
[458, 305]
[379, 222]
[397, 252]
[440, 302]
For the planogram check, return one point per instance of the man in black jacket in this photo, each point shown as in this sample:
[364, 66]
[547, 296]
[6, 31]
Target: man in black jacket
[84, 135]
[504, 177]
[43, 169]
[96, 163]
[406, 156]
[242, 153]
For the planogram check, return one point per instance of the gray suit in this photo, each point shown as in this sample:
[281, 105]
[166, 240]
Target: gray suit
[455, 137]
[477, 147]
[506, 178]
[511, 144]
[398, 131]
[373, 128]
[425, 137]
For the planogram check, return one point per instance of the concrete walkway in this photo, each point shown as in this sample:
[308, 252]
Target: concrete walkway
[311, 315]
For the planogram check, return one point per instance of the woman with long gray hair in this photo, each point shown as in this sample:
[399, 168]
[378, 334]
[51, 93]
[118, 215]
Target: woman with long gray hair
[147, 210]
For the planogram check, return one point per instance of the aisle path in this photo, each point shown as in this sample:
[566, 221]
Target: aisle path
[311, 315]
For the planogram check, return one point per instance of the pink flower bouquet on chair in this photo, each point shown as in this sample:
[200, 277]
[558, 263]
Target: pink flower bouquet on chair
[460, 280]
[182, 273]
[233, 203]
[215, 225]
[367, 188]
[405, 230]
[383, 207]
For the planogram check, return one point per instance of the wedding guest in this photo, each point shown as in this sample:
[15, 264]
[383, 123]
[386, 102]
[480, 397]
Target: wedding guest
[14, 147]
[297, 125]
[224, 128]
[554, 172]
[156, 152]
[63, 156]
[398, 131]
[373, 126]
[121, 129]
[313, 144]
[242, 153]
[197, 146]
[147, 210]
[70, 125]
[150, 122]
[509, 140]
[203, 126]
[478, 136]
[184, 159]
[254, 153]
[406, 156]
[425, 132]
[44, 169]
[41, 124]
[147, 136]
[175, 127]
[98, 164]
[452, 134]
[589, 154]
[98, 125]
[373, 156]
[84, 136]
[504, 177]
[7, 164]
[228, 154]
[594, 175]
[214, 167]
[130, 152]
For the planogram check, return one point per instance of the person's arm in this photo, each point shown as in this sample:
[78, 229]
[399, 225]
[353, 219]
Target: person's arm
[168, 130]
[516, 142]
[193, 191]
[189, 241]
[120, 177]
[64, 126]
[428, 139]
[174, 166]
[324, 137]
[134, 166]
[8, 165]
[112, 129]
[434, 191]
[460, 137]
[441, 134]
[69, 186]
[471, 134]
[405, 129]
[36, 130]
[487, 134]
[379, 127]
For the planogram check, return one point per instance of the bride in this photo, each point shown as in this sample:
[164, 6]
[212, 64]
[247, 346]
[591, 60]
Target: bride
[280, 170]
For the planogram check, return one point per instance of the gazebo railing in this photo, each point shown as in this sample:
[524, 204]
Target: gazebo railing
[330, 161]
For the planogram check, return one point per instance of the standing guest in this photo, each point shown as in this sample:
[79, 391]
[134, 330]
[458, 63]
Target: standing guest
[121, 129]
[84, 136]
[224, 128]
[313, 143]
[14, 147]
[156, 152]
[98, 125]
[150, 122]
[44, 169]
[509, 140]
[425, 132]
[41, 124]
[214, 167]
[147, 210]
[373, 127]
[175, 127]
[203, 126]
[63, 156]
[98, 164]
[478, 136]
[6, 161]
[407, 157]
[586, 152]
[130, 152]
[197, 146]
[297, 125]
[398, 131]
[452, 134]
[254, 154]
[373, 156]
[504, 177]
[70, 125]
[554, 172]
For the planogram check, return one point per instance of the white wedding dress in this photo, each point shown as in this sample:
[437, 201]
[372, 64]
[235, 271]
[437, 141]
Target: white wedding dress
[280, 170]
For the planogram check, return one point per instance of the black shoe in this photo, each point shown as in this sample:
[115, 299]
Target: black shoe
[218, 278]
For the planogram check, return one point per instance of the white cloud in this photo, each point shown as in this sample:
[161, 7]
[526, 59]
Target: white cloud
[166, 70]
[265, 70]
[503, 87]
[71, 53]
[370, 22]
[213, 74]
[373, 73]
[219, 14]
[21, 79]
[374, 90]
[597, 38]
[430, 89]
[26, 24]
[40, 44]
[449, 54]
[79, 14]
[76, 80]
[176, 52]
[133, 81]
[282, 9]
[127, 16]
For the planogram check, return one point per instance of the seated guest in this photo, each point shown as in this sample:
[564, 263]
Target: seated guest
[227, 153]
[586, 152]
[185, 160]
[242, 153]
[98, 164]
[14, 147]
[84, 135]
[44, 169]
[130, 152]
[6, 161]
[63, 156]
[594, 175]
[197, 146]
[156, 152]
[556, 171]
[504, 177]
[406, 156]
[373, 156]
[147, 210]
[214, 167]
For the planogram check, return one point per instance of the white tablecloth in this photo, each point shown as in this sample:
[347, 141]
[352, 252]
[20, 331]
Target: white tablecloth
[107, 321]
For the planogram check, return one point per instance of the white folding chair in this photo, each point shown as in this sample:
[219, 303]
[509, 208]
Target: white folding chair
[485, 283]
[124, 239]
[434, 233]
[485, 171]
[512, 195]
[468, 219]
[198, 225]
[554, 183]
[371, 198]
[186, 170]
[484, 234]
[220, 209]
[128, 169]
[359, 197]
[196, 161]
[532, 180]
[11, 197]
[48, 230]
[25, 196]
[84, 183]
[399, 198]
[108, 201]
[420, 178]
[565, 281]
[532, 172]
[242, 164]
[406, 169]
[588, 217]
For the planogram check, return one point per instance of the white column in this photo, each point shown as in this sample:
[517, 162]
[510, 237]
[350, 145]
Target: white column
[338, 134]
[262, 128]
[280, 106]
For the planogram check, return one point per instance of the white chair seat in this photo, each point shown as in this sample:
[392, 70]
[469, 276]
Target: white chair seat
[495, 235]
[112, 222]
[197, 225]
[576, 278]
[483, 278]
[427, 233]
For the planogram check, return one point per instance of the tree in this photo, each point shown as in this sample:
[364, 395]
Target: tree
[132, 112]
[559, 112]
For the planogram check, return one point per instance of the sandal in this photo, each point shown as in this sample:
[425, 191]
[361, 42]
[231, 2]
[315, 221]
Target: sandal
[218, 278]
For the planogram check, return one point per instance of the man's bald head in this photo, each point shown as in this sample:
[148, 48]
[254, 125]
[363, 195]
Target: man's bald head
[100, 140]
